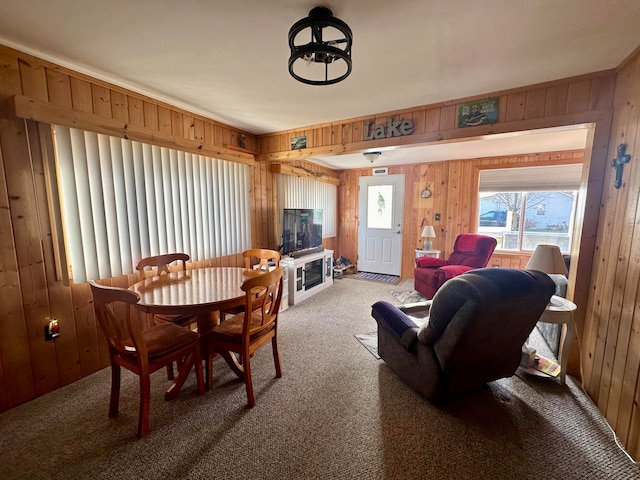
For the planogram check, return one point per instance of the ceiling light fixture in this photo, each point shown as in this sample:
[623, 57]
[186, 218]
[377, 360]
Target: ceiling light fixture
[372, 156]
[326, 59]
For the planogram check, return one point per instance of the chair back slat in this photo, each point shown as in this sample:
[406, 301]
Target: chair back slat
[161, 263]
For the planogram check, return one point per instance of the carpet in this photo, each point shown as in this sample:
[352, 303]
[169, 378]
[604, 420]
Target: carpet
[334, 414]
[377, 277]
[370, 342]
[407, 296]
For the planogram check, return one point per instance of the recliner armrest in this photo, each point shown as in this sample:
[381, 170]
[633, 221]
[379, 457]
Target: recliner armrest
[451, 271]
[417, 307]
[395, 321]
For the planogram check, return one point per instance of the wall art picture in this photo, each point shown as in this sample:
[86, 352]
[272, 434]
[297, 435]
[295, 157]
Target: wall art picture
[482, 112]
[298, 142]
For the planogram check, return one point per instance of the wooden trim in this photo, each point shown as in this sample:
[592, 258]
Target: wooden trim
[240, 149]
[440, 137]
[28, 108]
[304, 173]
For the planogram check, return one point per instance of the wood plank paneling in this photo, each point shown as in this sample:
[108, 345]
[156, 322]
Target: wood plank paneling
[611, 353]
[150, 112]
[59, 88]
[17, 377]
[81, 98]
[136, 111]
[60, 304]
[535, 103]
[578, 96]
[34, 80]
[101, 100]
[9, 74]
[119, 106]
[28, 252]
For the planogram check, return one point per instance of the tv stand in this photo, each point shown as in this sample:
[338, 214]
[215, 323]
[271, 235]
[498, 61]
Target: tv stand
[308, 274]
[306, 251]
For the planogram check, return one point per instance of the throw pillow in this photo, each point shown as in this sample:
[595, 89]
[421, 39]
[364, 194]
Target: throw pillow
[430, 262]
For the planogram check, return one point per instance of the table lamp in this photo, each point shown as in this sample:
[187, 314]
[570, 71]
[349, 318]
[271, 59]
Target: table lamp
[547, 259]
[428, 233]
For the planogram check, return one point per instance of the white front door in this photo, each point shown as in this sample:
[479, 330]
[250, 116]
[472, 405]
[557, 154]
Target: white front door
[380, 205]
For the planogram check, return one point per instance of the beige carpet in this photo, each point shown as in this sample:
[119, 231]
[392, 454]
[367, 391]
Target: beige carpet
[337, 413]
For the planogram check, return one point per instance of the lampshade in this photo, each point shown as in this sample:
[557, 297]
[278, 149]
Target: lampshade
[428, 232]
[372, 156]
[547, 259]
[326, 59]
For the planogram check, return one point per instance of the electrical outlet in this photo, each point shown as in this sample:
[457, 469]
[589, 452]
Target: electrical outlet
[52, 329]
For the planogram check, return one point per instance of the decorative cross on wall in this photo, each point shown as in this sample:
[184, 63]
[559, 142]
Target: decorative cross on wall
[618, 163]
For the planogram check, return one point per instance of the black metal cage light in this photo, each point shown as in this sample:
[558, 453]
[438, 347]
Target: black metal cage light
[326, 59]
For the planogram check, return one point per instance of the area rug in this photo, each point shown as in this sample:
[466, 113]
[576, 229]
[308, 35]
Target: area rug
[407, 296]
[378, 277]
[370, 342]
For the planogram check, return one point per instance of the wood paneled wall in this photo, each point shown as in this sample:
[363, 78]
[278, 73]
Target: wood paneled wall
[611, 340]
[31, 292]
[454, 186]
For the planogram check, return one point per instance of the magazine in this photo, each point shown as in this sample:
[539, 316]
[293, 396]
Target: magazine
[547, 366]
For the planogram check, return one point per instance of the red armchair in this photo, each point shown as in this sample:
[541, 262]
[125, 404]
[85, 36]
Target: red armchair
[469, 251]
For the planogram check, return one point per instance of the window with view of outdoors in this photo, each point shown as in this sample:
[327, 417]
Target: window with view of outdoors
[522, 220]
[524, 207]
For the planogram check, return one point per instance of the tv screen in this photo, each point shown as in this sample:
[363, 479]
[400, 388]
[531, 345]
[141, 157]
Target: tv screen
[301, 228]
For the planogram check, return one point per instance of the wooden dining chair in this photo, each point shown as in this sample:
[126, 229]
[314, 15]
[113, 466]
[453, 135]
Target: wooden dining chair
[162, 263]
[266, 260]
[141, 348]
[244, 333]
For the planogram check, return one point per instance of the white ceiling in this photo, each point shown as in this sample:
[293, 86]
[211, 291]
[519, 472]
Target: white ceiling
[228, 60]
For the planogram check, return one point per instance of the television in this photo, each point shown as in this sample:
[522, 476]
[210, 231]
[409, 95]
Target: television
[301, 228]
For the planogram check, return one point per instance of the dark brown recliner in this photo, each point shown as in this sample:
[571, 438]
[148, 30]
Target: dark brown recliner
[474, 333]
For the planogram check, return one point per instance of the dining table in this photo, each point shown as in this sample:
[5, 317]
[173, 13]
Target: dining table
[202, 292]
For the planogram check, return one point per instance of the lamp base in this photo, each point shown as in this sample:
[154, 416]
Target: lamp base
[427, 244]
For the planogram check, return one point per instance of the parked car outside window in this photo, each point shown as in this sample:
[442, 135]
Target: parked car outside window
[494, 218]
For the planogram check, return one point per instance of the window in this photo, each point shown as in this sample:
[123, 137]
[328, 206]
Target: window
[296, 192]
[123, 200]
[380, 208]
[524, 207]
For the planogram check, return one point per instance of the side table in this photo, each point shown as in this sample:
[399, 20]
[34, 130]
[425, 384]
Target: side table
[560, 311]
[427, 253]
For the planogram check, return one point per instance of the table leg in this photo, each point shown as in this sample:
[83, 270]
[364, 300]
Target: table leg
[563, 351]
[183, 373]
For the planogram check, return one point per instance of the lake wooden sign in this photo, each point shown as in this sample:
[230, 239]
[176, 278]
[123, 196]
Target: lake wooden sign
[393, 128]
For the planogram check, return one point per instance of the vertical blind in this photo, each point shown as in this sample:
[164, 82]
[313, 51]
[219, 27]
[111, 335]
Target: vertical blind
[296, 192]
[123, 200]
